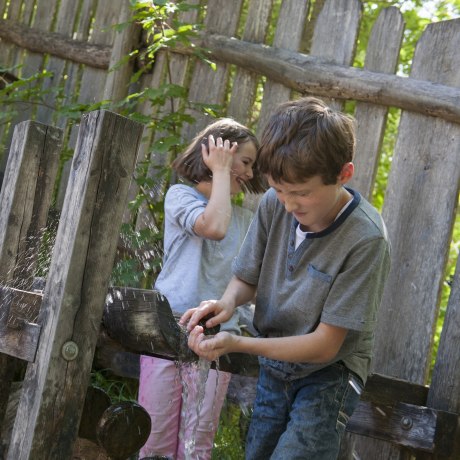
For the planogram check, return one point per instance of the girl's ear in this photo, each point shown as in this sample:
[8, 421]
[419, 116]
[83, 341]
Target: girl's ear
[348, 169]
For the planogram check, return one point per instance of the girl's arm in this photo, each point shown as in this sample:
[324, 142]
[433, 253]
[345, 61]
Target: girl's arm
[214, 221]
[320, 346]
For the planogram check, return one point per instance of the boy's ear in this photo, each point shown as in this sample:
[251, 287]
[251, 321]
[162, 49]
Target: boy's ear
[348, 169]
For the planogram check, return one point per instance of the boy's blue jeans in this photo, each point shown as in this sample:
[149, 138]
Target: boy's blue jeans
[301, 419]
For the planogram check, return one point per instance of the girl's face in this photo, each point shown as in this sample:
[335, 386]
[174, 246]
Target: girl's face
[243, 162]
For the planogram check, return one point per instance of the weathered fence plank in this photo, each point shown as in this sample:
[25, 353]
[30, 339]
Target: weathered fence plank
[208, 86]
[124, 42]
[444, 393]
[65, 24]
[24, 201]
[244, 82]
[93, 80]
[382, 55]
[288, 35]
[419, 207]
[336, 31]
[25, 197]
[75, 289]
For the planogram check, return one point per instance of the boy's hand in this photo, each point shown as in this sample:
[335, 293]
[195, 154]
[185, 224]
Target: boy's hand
[219, 155]
[210, 347]
[218, 311]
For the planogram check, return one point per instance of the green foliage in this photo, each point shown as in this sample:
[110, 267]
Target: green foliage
[15, 94]
[231, 433]
[118, 389]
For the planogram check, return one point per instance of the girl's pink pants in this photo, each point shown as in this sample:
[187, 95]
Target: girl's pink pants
[178, 431]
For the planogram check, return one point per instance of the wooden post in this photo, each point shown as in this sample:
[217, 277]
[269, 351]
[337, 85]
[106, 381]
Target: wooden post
[25, 198]
[24, 201]
[444, 391]
[55, 385]
[419, 210]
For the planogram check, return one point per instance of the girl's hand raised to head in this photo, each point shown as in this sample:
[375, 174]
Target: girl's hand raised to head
[219, 154]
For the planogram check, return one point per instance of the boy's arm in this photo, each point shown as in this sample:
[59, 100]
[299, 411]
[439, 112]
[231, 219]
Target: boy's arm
[237, 293]
[319, 346]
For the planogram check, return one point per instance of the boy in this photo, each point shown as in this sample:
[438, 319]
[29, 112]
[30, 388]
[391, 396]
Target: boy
[317, 256]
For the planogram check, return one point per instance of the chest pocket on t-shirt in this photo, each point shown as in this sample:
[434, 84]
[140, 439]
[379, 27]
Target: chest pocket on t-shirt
[315, 288]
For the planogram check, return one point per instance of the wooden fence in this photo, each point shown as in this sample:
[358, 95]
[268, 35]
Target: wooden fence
[407, 417]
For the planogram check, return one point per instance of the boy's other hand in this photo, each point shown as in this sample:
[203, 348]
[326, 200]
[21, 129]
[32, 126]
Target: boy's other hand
[213, 308]
[210, 347]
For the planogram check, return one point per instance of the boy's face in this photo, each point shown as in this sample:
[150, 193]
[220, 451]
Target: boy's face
[313, 204]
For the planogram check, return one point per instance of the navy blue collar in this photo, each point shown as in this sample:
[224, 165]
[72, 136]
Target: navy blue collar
[339, 221]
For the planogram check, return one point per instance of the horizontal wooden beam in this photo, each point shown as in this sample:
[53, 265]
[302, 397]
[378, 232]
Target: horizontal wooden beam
[20, 341]
[300, 72]
[414, 427]
[39, 41]
[312, 75]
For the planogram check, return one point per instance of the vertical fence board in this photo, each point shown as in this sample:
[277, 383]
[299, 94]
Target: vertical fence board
[26, 193]
[9, 55]
[245, 82]
[33, 62]
[117, 81]
[207, 85]
[289, 30]
[336, 31]
[444, 393]
[93, 80]
[76, 287]
[72, 70]
[24, 203]
[419, 207]
[382, 55]
[65, 26]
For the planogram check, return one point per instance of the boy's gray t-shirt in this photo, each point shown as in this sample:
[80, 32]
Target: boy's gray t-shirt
[335, 276]
[194, 268]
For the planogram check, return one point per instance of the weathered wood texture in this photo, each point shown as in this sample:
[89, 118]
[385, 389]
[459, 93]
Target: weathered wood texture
[336, 31]
[25, 199]
[382, 55]
[207, 86]
[289, 29]
[444, 391]
[74, 294]
[419, 209]
[312, 75]
[55, 43]
[19, 339]
[60, 67]
[244, 83]
[103, 424]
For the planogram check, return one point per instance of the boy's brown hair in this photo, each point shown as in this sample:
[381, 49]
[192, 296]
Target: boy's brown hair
[190, 164]
[306, 138]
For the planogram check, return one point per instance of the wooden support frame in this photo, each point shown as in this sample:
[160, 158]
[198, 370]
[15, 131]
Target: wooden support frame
[76, 285]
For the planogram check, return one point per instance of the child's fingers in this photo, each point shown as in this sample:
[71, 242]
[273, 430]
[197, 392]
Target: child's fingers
[186, 316]
[195, 315]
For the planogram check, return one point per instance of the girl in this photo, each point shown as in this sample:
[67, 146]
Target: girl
[203, 232]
